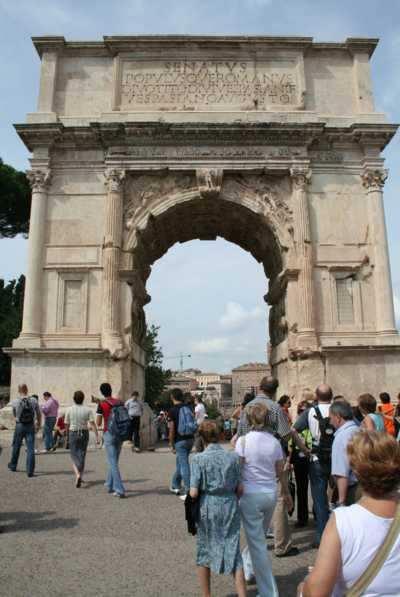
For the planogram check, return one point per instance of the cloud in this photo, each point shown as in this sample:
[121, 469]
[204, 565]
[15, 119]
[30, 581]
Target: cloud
[212, 345]
[40, 14]
[236, 317]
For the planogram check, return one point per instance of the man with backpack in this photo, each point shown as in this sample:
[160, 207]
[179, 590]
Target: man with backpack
[182, 427]
[26, 410]
[116, 430]
[316, 419]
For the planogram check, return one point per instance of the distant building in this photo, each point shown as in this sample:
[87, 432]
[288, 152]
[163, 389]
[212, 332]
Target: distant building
[186, 384]
[247, 377]
[207, 379]
[190, 372]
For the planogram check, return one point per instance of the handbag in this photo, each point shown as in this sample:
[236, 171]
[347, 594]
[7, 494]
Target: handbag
[379, 559]
[192, 513]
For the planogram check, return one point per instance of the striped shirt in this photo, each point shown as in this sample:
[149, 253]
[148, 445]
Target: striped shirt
[278, 423]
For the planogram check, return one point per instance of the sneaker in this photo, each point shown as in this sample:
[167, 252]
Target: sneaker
[120, 495]
[269, 534]
[175, 491]
[182, 497]
[137, 450]
[11, 468]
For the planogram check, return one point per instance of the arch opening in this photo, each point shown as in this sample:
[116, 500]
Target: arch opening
[249, 212]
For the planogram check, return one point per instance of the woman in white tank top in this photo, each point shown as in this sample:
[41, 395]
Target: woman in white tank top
[353, 535]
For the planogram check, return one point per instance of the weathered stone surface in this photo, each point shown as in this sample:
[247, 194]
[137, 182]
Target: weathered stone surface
[142, 142]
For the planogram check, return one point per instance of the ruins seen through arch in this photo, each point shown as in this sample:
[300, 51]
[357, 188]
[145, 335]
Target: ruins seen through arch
[273, 144]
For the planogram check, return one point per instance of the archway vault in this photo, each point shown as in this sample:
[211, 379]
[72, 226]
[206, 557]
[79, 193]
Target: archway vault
[249, 209]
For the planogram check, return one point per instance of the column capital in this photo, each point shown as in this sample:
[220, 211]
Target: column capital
[374, 179]
[39, 180]
[114, 179]
[301, 177]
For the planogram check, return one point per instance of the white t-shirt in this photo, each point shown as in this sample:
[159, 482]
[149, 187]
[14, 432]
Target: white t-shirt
[200, 413]
[260, 450]
[78, 417]
[361, 533]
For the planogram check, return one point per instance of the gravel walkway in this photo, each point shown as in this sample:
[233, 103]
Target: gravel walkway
[59, 540]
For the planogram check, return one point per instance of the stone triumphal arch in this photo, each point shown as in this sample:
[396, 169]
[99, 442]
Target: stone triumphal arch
[271, 143]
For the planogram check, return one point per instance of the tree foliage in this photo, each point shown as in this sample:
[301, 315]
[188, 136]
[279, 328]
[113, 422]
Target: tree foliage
[156, 377]
[11, 304]
[15, 201]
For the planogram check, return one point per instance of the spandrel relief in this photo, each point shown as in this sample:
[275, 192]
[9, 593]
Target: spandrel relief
[145, 190]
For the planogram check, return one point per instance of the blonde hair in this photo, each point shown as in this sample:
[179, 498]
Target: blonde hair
[208, 431]
[307, 395]
[257, 416]
[375, 459]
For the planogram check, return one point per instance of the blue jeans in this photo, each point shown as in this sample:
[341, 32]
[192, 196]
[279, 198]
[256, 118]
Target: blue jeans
[319, 487]
[257, 510]
[28, 432]
[182, 473]
[113, 450]
[48, 428]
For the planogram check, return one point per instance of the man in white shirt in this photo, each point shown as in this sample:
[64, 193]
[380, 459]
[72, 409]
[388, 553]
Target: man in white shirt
[199, 415]
[199, 410]
[135, 411]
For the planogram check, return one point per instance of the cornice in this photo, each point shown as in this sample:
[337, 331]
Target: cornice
[131, 134]
[114, 44]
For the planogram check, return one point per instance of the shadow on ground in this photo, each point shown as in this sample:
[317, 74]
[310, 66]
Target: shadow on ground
[35, 522]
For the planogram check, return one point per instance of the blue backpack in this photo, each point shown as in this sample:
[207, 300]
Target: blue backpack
[119, 423]
[186, 421]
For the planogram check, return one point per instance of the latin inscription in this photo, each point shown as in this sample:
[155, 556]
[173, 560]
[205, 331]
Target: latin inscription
[188, 84]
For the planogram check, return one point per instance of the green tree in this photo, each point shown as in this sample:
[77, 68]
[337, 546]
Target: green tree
[15, 201]
[11, 304]
[156, 377]
[212, 410]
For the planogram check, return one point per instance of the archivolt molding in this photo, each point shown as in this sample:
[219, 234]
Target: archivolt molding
[149, 196]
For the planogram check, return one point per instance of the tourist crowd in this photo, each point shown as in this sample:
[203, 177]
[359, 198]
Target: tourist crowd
[349, 457]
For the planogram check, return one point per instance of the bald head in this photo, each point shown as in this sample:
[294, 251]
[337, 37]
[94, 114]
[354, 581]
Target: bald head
[269, 385]
[324, 393]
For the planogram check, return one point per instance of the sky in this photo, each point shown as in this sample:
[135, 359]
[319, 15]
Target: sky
[206, 296]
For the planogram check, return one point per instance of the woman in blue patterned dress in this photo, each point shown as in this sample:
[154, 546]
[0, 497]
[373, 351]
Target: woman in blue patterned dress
[215, 475]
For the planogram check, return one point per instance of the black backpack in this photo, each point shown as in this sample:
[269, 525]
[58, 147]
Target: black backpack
[324, 449]
[26, 414]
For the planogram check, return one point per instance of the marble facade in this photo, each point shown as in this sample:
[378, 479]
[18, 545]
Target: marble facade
[271, 143]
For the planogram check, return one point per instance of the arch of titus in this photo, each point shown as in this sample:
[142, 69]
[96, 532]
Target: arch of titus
[272, 143]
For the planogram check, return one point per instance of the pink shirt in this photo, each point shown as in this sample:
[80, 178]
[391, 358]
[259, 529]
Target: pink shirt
[50, 407]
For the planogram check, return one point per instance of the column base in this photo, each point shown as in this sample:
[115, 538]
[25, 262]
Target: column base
[27, 340]
[113, 343]
[306, 339]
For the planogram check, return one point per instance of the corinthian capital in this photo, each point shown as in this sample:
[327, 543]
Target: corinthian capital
[114, 179]
[209, 181]
[301, 177]
[39, 180]
[373, 180]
